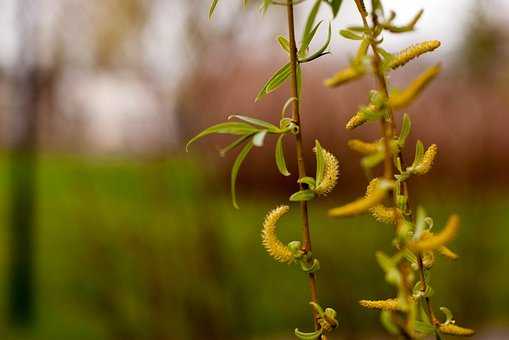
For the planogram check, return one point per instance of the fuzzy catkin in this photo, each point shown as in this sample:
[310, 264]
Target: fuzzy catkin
[452, 329]
[375, 194]
[270, 241]
[404, 98]
[330, 176]
[413, 52]
[427, 160]
[363, 147]
[389, 304]
[344, 76]
[438, 240]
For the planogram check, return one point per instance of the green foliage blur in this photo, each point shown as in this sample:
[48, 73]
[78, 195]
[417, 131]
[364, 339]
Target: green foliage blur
[152, 250]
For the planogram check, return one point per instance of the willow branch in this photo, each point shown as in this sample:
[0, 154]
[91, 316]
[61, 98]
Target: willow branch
[299, 150]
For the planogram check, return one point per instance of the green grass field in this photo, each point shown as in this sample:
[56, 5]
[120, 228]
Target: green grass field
[142, 250]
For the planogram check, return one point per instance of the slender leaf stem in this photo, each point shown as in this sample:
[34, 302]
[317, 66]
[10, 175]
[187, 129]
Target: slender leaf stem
[299, 150]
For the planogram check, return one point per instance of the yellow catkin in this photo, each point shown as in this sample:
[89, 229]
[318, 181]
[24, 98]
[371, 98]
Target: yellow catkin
[404, 98]
[412, 52]
[270, 241]
[389, 304]
[357, 120]
[344, 76]
[377, 194]
[385, 214]
[363, 147]
[438, 240]
[452, 329]
[380, 212]
[446, 252]
[427, 161]
[330, 176]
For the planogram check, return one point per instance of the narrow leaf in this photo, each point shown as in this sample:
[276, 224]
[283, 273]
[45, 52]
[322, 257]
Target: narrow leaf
[335, 6]
[284, 43]
[303, 195]
[350, 35]
[424, 327]
[309, 181]
[233, 145]
[307, 40]
[259, 137]
[307, 35]
[406, 126]
[280, 157]
[276, 80]
[256, 121]
[320, 162]
[235, 170]
[419, 152]
[212, 8]
[231, 128]
[299, 82]
[308, 335]
[321, 50]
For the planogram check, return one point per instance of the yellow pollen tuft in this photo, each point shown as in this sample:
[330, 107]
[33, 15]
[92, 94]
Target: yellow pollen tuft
[363, 147]
[375, 194]
[400, 100]
[412, 52]
[385, 214]
[356, 121]
[330, 176]
[427, 160]
[344, 76]
[270, 241]
[438, 240]
[389, 304]
[452, 329]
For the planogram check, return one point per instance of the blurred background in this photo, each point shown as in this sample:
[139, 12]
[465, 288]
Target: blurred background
[109, 230]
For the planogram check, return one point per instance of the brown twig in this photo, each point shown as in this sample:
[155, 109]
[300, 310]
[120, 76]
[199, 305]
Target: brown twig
[299, 149]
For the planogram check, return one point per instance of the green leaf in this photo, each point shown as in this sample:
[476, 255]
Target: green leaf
[299, 81]
[285, 107]
[406, 127]
[259, 137]
[307, 335]
[357, 29]
[280, 157]
[275, 81]
[335, 6]
[255, 121]
[420, 222]
[307, 40]
[317, 308]
[320, 162]
[392, 274]
[284, 43]
[212, 8]
[350, 35]
[419, 153]
[308, 33]
[322, 49]
[424, 327]
[265, 5]
[302, 195]
[230, 128]
[235, 170]
[386, 320]
[370, 161]
[448, 314]
[233, 145]
[309, 181]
